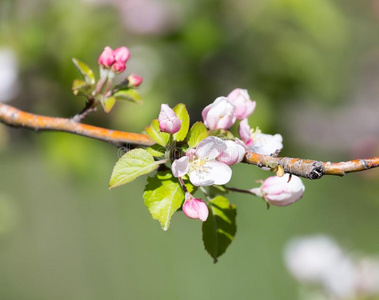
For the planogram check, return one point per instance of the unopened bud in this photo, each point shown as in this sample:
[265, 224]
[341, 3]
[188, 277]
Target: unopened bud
[106, 58]
[168, 121]
[134, 80]
[195, 208]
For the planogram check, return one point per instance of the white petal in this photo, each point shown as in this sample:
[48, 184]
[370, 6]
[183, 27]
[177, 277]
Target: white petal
[210, 147]
[180, 166]
[218, 172]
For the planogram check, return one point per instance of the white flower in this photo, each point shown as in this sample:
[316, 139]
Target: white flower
[266, 144]
[202, 166]
[281, 191]
[219, 114]
[319, 260]
[8, 74]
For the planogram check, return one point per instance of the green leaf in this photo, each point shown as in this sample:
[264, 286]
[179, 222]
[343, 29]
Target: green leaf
[132, 164]
[156, 150]
[220, 227]
[81, 88]
[128, 95]
[197, 133]
[86, 72]
[154, 132]
[223, 134]
[182, 114]
[108, 104]
[163, 196]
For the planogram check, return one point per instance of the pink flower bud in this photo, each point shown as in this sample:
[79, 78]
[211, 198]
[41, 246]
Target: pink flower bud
[118, 67]
[244, 132]
[195, 208]
[278, 191]
[134, 80]
[219, 114]
[241, 100]
[106, 58]
[233, 154]
[168, 121]
[121, 55]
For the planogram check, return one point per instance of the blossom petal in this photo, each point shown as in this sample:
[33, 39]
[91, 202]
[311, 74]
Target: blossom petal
[210, 147]
[180, 166]
[214, 172]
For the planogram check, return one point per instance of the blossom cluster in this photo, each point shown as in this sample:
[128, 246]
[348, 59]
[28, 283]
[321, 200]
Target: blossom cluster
[209, 162]
[319, 261]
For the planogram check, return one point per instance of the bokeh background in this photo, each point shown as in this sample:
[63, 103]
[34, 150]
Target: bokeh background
[313, 68]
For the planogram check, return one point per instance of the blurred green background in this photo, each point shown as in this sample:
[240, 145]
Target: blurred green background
[313, 68]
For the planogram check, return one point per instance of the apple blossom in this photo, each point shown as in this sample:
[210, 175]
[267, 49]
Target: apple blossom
[281, 191]
[258, 142]
[201, 164]
[244, 131]
[219, 114]
[118, 67]
[244, 107]
[233, 154]
[195, 208]
[168, 121]
[121, 55]
[106, 58]
[134, 80]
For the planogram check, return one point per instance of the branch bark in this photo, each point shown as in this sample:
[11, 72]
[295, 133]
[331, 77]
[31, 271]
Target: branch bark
[17, 118]
[305, 168]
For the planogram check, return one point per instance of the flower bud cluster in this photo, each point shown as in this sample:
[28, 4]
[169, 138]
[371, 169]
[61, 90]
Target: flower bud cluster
[114, 60]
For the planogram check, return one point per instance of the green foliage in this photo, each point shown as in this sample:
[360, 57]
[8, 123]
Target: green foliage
[163, 196]
[81, 88]
[182, 114]
[221, 133]
[108, 104]
[128, 95]
[156, 150]
[197, 133]
[220, 227]
[131, 165]
[154, 132]
[86, 71]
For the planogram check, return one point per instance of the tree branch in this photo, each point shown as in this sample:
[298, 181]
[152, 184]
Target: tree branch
[310, 169]
[17, 118]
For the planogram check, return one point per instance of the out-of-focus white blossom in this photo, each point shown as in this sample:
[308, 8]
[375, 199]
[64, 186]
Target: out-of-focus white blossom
[8, 74]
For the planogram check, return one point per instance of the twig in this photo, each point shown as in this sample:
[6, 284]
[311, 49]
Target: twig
[17, 118]
[88, 108]
[306, 168]
[312, 169]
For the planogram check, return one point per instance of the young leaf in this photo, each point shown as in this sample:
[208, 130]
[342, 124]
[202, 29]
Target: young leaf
[223, 134]
[154, 132]
[81, 88]
[163, 196]
[129, 95]
[86, 72]
[132, 164]
[156, 150]
[220, 227]
[182, 114]
[108, 104]
[197, 133]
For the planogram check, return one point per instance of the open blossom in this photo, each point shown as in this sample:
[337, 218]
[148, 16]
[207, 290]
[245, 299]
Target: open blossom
[195, 208]
[279, 191]
[219, 114]
[244, 107]
[168, 121]
[114, 59]
[244, 131]
[261, 143]
[202, 165]
[233, 154]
